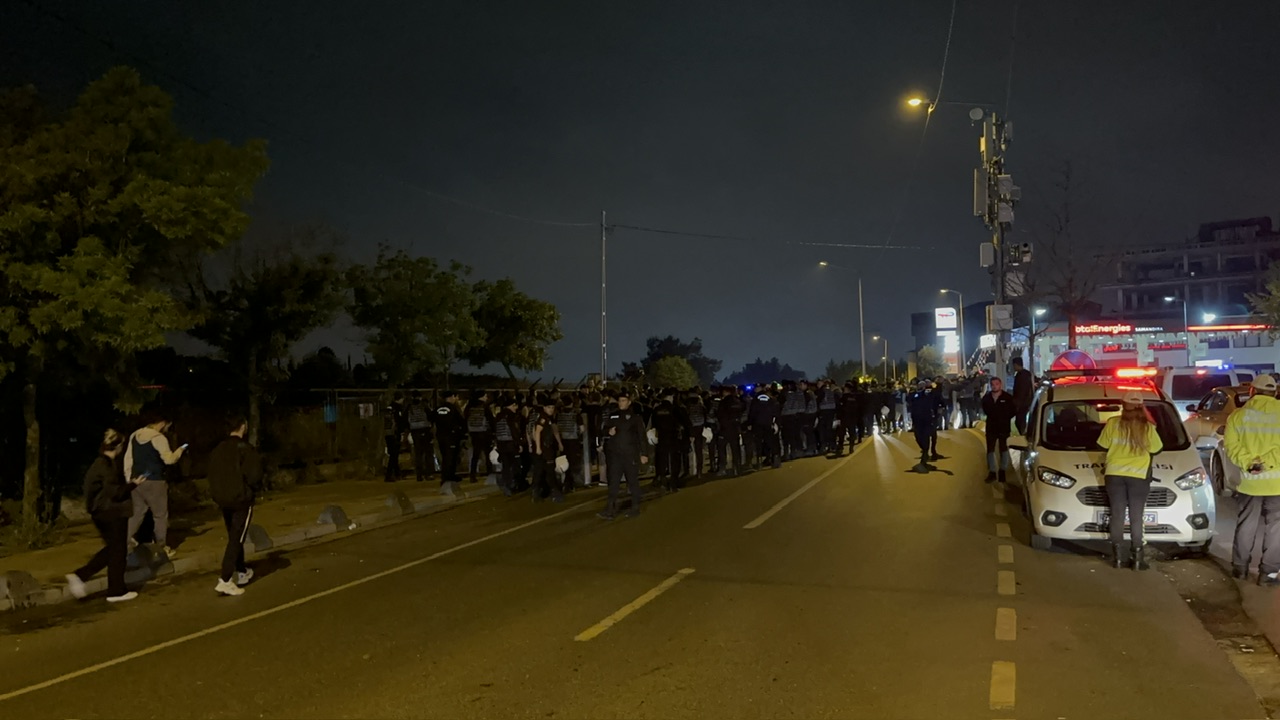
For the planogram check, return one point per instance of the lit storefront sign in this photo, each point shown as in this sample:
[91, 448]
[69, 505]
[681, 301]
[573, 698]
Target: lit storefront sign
[1118, 329]
[1227, 328]
[945, 319]
[987, 342]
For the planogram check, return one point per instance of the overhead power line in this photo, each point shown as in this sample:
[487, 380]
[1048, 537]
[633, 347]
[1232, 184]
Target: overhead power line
[740, 238]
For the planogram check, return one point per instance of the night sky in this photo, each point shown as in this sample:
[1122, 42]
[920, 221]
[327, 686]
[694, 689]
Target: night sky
[775, 123]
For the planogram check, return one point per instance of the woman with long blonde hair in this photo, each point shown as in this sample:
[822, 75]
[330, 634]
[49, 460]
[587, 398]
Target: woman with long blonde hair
[1131, 440]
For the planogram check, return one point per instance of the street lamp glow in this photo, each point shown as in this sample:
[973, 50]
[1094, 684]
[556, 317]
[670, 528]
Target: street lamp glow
[822, 263]
[1040, 312]
[1210, 317]
[1170, 298]
[916, 101]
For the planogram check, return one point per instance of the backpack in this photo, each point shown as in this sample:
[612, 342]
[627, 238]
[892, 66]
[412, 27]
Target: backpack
[477, 421]
[418, 417]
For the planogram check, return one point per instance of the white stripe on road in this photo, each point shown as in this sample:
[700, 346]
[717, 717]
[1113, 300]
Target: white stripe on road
[805, 488]
[279, 608]
[1004, 554]
[1002, 530]
[1006, 624]
[632, 606]
[1003, 682]
[1001, 510]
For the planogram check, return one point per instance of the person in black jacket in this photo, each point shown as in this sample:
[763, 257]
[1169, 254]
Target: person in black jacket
[107, 497]
[1000, 408]
[625, 441]
[235, 477]
[1024, 391]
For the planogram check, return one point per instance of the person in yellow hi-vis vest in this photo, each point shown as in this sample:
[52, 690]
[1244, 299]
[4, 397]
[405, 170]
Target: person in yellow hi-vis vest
[1253, 444]
[1130, 439]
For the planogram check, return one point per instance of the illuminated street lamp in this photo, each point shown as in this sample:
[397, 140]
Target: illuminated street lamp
[886, 358]
[1210, 317]
[862, 333]
[963, 359]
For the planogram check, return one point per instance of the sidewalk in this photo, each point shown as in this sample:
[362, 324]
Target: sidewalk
[280, 520]
[1260, 604]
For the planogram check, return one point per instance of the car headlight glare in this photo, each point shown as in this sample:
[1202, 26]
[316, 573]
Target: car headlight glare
[1192, 480]
[1056, 479]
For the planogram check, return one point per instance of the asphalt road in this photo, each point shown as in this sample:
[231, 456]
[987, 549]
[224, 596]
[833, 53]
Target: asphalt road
[873, 593]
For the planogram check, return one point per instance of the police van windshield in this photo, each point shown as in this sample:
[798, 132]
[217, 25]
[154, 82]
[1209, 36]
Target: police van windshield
[1076, 424]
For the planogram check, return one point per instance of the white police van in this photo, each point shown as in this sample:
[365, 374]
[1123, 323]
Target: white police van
[1059, 465]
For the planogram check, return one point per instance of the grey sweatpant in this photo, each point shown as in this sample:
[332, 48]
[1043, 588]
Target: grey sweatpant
[1257, 515]
[153, 495]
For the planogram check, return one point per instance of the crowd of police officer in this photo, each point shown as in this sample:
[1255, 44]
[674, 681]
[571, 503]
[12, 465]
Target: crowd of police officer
[547, 442]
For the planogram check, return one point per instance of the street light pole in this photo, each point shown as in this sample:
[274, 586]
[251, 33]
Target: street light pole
[1186, 326]
[604, 322]
[1031, 345]
[862, 332]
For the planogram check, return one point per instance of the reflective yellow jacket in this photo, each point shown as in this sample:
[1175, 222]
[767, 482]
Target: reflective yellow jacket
[1253, 433]
[1124, 459]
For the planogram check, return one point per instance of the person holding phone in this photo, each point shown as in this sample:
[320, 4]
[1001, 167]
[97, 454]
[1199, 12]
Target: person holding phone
[1252, 442]
[145, 458]
[107, 498]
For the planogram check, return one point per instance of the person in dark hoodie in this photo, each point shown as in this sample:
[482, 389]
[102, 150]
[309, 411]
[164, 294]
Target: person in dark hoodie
[108, 498]
[235, 477]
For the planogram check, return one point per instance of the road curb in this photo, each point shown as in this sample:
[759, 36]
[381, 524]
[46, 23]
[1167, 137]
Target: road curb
[20, 590]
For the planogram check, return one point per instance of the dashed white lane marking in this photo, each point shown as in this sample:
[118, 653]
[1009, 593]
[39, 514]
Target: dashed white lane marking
[1004, 680]
[277, 609]
[1006, 584]
[1002, 530]
[1001, 510]
[803, 489]
[632, 606]
[1004, 554]
[997, 492]
[1006, 624]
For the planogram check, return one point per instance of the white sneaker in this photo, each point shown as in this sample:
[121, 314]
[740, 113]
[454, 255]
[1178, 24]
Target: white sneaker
[123, 598]
[226, 587]
[76, 586]
[243, 578]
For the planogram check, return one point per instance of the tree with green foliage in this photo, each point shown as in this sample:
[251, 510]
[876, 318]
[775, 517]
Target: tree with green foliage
[270, 300]
[673, 371]
[764, 371]
[417, 316]
[99, 203]
[671, 346]
[929, 362]
[1266, 304]
[517, 328]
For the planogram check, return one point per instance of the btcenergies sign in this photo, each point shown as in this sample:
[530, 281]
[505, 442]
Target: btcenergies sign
[1117, 329]
[944, 318]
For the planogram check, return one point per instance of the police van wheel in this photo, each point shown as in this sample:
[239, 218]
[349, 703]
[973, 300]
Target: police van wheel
[1040, 542]
[1218, 476]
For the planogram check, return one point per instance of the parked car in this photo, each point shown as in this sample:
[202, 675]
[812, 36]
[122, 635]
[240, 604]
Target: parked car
[1189, 385]
[1060, 466]
[1207, 424]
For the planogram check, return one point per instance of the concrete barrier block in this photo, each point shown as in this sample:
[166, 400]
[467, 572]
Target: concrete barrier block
[257, 539]
[334, 515]
[20, 588]
[401, 501]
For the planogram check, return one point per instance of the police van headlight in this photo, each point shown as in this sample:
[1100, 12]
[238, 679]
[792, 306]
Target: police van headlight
[1056, 479]
[1192, 480]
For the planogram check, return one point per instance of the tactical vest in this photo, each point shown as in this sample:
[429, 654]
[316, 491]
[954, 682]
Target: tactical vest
[567, 422]
[504, 432]
[828, 401]
[810, 404]
[477, 421]
[697, 416]
[418, 417]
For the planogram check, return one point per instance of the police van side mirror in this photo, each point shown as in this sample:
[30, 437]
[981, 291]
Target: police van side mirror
[1191, 408]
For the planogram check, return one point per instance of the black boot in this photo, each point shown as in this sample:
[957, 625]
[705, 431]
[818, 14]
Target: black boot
[1117, 557]
[1139, 562]
[1001, 477]
[991, 477]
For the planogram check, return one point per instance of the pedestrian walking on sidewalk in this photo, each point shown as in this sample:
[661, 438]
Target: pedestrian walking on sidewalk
[235, 478]
[145, 458]
[1000, 409]
[1130, 440]
[625, 440]
[1253, 443]
[107, 497]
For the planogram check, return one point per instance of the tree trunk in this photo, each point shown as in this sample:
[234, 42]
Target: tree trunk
[255, 404]
[31, 470]
[1071, 330]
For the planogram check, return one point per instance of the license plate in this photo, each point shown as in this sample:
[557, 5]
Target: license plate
[1148, 518]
